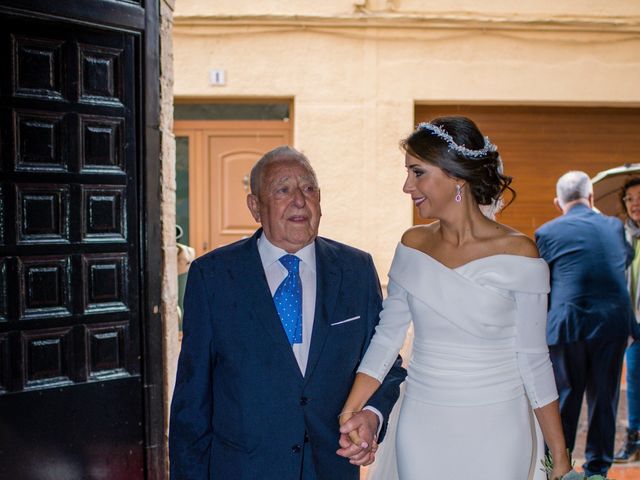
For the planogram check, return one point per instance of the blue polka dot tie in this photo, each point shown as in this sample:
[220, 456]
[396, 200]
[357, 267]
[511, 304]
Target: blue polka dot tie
[288, 299]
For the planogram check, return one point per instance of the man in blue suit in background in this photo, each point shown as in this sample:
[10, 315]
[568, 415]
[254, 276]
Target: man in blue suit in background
[590, 315]
[274, 329]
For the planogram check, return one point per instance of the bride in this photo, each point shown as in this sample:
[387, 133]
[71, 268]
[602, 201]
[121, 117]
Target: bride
[476, 293]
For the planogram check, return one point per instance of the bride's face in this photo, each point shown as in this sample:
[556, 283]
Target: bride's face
[431, 189]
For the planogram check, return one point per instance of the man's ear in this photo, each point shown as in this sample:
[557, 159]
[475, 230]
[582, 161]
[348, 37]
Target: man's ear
[254, 206]
[590, 198]
[556, 202]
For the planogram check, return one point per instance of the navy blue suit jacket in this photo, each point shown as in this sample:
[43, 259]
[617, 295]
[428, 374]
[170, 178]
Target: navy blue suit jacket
[241, 407]
[587, 254]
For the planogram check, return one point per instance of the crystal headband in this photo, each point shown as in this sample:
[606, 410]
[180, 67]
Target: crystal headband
[461, 149]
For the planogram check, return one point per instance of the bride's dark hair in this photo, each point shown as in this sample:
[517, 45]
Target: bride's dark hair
[456, 145]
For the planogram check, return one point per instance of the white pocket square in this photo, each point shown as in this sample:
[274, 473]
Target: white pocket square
[346, 321]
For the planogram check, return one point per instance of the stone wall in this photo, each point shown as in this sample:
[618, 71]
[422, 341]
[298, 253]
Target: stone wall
[168, 205]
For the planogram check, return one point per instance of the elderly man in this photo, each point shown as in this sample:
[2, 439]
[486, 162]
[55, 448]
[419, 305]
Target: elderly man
[274, 329]
[590, 314]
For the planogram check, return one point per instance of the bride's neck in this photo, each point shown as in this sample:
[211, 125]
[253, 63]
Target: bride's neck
[462, 227]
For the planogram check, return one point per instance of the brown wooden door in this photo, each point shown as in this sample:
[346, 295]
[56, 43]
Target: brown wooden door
[538, 144]
[221, 154]
[77, 400]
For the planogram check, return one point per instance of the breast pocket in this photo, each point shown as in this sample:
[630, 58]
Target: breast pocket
[345, 321]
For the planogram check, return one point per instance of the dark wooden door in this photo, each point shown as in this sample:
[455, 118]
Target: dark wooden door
[76, 398]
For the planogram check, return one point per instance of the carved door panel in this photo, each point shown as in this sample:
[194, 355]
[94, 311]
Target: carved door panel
[71, 394]
[221, 156]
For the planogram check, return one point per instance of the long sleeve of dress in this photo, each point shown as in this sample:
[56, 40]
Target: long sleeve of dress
[531, 349]
[390, 333]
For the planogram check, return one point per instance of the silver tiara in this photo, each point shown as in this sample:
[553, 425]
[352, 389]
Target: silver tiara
[461, 149]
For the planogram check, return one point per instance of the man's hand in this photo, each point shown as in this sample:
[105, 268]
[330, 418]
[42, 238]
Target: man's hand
[358, 432]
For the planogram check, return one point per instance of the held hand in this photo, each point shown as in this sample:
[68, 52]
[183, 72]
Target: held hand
[355, 453]
[358, 436]
[343, 418]
[362, 427]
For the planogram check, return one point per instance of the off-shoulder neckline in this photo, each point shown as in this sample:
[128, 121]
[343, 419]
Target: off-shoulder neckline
[470, 262]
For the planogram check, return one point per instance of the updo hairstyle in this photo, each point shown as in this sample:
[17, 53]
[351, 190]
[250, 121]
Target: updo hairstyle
[482, 173]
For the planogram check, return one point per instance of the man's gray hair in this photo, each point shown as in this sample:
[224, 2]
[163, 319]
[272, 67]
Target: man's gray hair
[573, 185]
[278, 154]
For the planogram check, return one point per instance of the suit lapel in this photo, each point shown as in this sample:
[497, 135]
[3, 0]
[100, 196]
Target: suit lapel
[328, 281]
[262, 307]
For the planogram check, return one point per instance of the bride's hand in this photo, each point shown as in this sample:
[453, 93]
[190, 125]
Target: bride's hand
[343, 418]
[358, 432]
[560, 470]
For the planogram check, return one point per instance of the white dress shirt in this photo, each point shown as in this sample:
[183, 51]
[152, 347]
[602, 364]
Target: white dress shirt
[276, 273]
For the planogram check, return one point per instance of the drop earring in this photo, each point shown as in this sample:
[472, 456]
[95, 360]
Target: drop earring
[458, 193]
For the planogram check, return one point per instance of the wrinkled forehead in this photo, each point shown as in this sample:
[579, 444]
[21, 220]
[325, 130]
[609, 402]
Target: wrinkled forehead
[281, 171]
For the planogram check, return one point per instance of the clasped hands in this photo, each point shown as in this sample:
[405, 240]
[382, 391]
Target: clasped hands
[358, 437]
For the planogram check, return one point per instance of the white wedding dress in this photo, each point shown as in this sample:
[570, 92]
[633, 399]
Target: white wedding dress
[479, 363]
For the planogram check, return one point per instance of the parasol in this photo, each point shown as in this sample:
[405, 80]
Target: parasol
[607, 186]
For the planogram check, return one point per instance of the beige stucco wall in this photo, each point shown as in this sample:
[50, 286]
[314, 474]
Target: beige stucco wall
[334, 8]
[356, 69]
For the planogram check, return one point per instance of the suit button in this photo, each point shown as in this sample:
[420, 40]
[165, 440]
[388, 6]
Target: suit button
[304, 401]
[306, 438]
[296, 449]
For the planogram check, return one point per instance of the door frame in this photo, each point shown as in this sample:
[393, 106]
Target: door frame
[153, 364]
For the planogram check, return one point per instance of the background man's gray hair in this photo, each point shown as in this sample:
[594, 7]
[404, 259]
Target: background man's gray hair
[282, 153]
[573, 185]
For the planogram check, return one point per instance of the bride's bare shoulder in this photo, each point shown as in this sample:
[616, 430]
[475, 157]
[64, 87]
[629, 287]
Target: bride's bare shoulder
[419, 236]
[513, 242]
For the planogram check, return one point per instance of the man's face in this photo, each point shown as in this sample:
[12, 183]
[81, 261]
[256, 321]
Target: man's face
[288, 205]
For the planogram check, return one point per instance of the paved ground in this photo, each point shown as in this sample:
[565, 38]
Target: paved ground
[629, 471]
